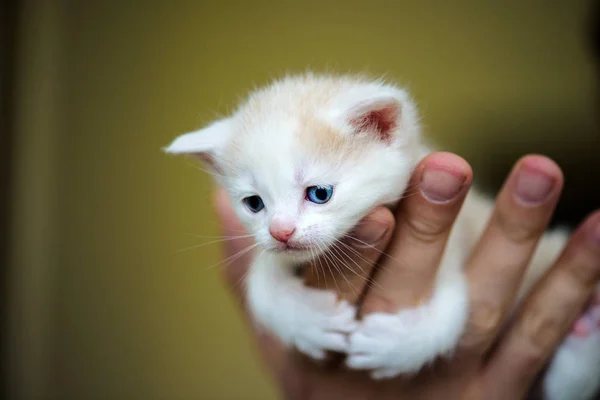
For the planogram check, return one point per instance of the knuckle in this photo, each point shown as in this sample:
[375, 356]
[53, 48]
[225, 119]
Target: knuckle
[425, 230]
[540, 330]
[484, 321]
[518, 230]
[585, 271]
[531, 359]
[378, 302]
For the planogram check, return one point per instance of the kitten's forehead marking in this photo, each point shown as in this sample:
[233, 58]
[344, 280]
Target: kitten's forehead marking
[327, 150]
[285, 137]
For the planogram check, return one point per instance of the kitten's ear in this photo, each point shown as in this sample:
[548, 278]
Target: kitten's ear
[378, 115]
[378, 111]
[204, 144]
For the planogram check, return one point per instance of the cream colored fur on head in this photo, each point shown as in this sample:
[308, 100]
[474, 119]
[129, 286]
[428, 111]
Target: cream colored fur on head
[305, 131]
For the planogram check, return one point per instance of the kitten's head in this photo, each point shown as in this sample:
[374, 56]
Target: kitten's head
[304, 159]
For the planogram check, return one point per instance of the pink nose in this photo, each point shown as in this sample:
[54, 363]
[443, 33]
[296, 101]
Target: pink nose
[281, 233]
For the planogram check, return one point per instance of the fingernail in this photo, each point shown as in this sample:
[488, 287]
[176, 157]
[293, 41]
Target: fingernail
[533, 186]
[441, 186]
[370, 233]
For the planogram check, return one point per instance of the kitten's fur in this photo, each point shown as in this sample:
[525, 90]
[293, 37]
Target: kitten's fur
[363, 138]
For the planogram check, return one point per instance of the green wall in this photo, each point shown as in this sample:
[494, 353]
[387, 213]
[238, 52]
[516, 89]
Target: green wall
[103, 308]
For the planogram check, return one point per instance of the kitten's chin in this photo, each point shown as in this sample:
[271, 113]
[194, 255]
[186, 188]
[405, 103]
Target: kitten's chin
[296, 253]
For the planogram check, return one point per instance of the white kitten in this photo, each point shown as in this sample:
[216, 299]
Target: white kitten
[303, 160]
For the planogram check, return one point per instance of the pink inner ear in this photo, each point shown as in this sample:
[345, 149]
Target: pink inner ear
[382, 122]
[208, 160]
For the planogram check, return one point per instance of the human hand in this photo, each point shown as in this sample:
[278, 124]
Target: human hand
[488, 363]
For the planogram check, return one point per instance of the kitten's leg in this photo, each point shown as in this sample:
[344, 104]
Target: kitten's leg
[391, 344]
[312, 320]
[574, 373]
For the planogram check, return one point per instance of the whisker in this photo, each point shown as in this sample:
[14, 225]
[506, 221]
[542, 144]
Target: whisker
[407, 195]
[322, 269]
[216, 175]
[245, 274]
[349, 268]
[380, 266]
[399, 262]
[312, 257]
[341, 255]
[349, 257]
[359, 255]
[338, 268]
[234, 257]
[197, 246]
[370, 246]
[216, 237]
[367, 279]
[328, 266]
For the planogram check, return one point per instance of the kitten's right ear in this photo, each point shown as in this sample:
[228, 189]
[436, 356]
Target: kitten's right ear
[204, 144]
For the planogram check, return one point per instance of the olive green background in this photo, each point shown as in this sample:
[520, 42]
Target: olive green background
[100, 306]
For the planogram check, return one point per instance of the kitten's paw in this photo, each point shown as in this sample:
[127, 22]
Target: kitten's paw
[392, 344]
[324, 326]
[574, 372]
[589, 321]
[389, 344]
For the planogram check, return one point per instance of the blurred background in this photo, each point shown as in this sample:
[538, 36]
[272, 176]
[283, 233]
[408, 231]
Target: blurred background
[95, 301]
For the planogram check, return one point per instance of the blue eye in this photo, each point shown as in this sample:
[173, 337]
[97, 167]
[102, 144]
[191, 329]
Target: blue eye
[319, 194]
[254, 203]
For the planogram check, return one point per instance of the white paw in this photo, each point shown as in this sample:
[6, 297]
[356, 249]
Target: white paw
[388, 345]
[574, 373]
[323, 325]
[392, 344]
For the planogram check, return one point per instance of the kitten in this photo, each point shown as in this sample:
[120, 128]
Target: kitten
[303, 160]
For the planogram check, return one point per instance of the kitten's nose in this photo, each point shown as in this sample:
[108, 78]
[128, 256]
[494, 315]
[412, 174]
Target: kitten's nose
[282, 233]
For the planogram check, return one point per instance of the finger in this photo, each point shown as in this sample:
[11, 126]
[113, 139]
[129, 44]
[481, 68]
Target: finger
[236, 257]
[347, 266]
[548, 314]
[423, 222]
[522, 212]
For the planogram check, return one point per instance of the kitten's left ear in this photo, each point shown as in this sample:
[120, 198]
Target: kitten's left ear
[205, 144]
[378, 115]
[378, 111]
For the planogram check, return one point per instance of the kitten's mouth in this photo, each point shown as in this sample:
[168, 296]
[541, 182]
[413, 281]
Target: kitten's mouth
[291, 248]
[294, 249]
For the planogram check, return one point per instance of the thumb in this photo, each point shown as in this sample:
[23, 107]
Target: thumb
[346, 267]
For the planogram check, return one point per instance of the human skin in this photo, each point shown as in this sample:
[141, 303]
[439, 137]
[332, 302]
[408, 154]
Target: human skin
[492, 361]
